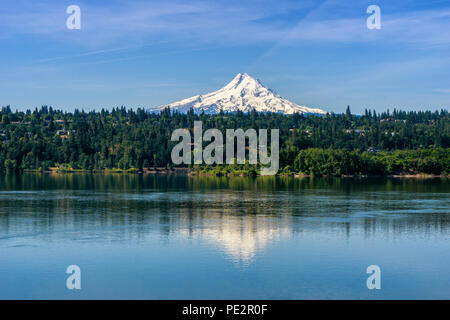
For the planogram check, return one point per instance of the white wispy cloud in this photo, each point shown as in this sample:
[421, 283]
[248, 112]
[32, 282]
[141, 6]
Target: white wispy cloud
[430, 27]
[225, 22]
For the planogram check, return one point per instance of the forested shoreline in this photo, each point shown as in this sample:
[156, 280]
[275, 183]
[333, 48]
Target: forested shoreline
[121, 139]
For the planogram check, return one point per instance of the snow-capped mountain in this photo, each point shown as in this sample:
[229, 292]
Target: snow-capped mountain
[243, 93]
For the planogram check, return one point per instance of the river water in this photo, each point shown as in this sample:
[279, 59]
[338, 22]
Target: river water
[177, 237]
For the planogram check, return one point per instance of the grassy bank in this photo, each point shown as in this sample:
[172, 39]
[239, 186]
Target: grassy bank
[313, 162]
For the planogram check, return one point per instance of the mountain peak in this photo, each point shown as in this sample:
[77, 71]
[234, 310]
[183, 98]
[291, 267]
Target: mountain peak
[243, 79]
[243, 93]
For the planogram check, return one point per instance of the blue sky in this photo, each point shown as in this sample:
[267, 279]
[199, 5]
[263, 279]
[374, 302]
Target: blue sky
[148, 53]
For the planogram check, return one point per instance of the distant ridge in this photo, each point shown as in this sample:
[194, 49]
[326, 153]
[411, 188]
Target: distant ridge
[243, 93]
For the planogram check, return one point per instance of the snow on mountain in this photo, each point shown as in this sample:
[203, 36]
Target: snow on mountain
[243, 93]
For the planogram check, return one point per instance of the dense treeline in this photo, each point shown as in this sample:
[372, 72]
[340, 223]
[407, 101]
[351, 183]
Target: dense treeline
[343, 162]
[340, 162]
[135, 139]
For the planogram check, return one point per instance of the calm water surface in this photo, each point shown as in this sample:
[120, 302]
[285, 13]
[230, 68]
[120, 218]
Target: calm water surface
[172, 237]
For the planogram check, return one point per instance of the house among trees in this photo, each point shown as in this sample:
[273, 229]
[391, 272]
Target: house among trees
[357, 131]
[63, 134]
